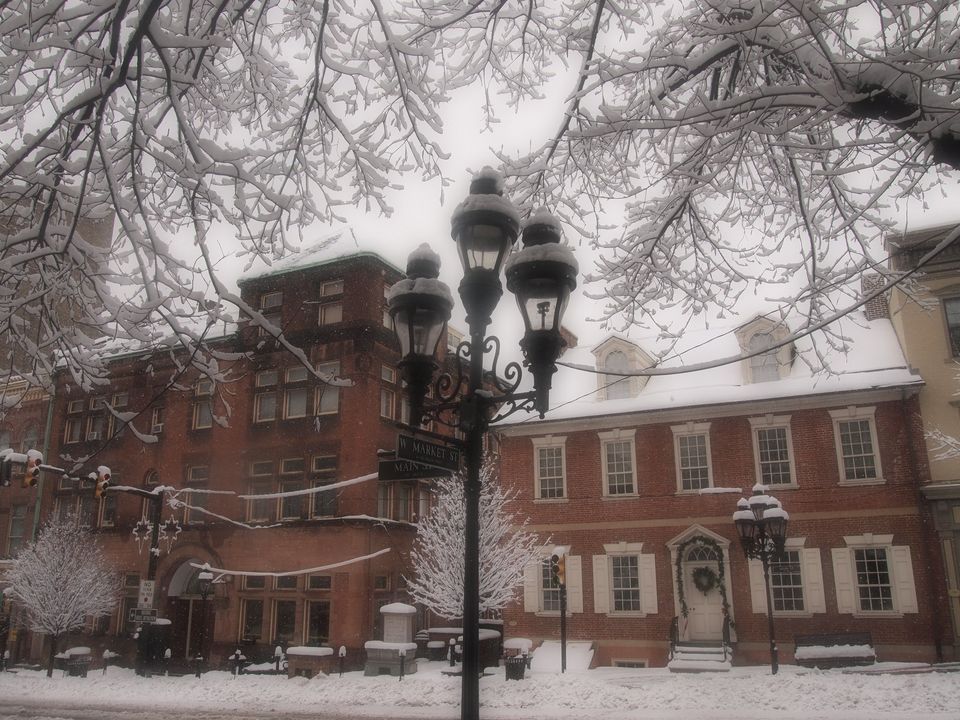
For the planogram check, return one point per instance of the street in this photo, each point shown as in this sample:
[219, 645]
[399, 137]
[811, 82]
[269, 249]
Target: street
[65, 711]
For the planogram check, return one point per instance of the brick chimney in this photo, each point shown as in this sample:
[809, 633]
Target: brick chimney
[877, 308]
[569, 337]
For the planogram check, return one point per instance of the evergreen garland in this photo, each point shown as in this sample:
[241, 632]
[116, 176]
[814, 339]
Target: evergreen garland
[721, 585]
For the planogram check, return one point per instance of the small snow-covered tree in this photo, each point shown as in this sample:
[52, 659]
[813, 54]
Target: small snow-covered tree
[61, 580]
[506, 546]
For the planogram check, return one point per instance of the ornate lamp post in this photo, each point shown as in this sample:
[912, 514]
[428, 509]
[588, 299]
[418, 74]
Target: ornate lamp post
[204, 583]
[542, 275]
[762, 526]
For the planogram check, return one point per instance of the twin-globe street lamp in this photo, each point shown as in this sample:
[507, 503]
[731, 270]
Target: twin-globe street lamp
[762, 526]
[542, 276]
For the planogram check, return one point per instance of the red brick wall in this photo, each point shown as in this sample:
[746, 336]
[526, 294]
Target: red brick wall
[821, 510]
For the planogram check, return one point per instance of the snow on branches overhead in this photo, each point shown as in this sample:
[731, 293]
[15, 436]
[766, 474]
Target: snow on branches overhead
[755, 144]
[61, 579]
[506, 546]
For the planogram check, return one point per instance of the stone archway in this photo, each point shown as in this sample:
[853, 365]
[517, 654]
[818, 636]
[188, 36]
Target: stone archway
[185, 610]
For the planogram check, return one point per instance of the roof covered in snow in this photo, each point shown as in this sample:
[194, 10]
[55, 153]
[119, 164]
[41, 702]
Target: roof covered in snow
[862, 355]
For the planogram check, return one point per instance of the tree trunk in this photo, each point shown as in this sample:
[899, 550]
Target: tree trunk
[50, 655]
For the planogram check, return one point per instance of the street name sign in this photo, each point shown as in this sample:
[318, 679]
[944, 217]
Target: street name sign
[427, 453]
[143, 615]
[408, 470]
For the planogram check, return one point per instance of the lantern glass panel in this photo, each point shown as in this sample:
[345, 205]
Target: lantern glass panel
[419, 334]
[543, 304]
[482, 247]
[747, 529]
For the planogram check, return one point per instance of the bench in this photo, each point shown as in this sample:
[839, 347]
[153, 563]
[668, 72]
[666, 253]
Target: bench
[834, 650]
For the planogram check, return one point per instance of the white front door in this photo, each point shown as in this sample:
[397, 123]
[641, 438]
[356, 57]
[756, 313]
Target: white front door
[705, 610]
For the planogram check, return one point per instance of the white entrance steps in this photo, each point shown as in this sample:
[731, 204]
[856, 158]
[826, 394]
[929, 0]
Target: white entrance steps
[693, 657]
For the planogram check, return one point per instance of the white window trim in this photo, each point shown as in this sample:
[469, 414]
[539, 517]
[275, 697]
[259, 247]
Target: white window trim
[686, 430]
[899, 567]
[857, 413]
[603, 580]
[778, 333]
[196, 414]
[331, 288]
[257, 398]
[549, 441]
[811, 580]
[533, 583]
[772, 422]
[286, 404]
[616, 436]
[275, 298]
[321, 320]
[326, 368]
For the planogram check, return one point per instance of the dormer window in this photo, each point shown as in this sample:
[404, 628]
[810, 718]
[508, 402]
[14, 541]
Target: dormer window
[767, 362]
[615, 357]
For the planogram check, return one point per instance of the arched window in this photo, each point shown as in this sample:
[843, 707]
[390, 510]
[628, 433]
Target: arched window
[763, 367]
[702, 553]
[617, 386]
[31, 439]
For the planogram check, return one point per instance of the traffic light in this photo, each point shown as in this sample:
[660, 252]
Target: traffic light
[558, 569]
[32, 474]
[103, 481]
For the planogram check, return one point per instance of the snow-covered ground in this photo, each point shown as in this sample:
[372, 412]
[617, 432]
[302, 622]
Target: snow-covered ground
[607, 693]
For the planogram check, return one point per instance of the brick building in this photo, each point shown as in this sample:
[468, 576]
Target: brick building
[637, 481]
[258, 423]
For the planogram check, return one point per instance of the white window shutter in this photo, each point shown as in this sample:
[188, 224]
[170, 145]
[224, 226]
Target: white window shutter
[531, 587]
[906, 591]
[601, 585]
[813, 581]
[758, 591]
[843, 578]
[648, 584]
[574, 571]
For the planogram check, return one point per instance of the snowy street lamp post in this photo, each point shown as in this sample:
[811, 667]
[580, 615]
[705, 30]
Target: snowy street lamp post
[761, 523]
[485, 227]
[204, 583]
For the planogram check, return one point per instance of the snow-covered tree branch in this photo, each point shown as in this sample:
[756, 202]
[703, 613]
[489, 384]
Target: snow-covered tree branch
[506, 546]
[751, 145]
[61, 581]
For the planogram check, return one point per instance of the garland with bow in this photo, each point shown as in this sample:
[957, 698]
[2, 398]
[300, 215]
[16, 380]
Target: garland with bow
[720, 584]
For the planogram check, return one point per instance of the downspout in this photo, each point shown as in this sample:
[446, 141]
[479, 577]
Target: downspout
[926, 520]
[46, 449]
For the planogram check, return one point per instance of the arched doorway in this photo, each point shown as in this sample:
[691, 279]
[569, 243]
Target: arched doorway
[701, 567]
[185, 609]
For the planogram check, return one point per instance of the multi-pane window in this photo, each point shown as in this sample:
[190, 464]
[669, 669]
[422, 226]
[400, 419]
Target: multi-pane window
[75, 406]
[786, 582]
[203, 405]
[617, 387]
[95, 427]
[17, 530]
[331, 312]
[618, 467]
[388, 395]
[328, 396]
[387, 319]
[320, 582]
[550, 472]
[284, 620]
[318, 622]
[331, 287]
[108, 504]
[549, 588]
[73, 430]
[286, 582]
[324, 473]
[763, 366]
[291, 507]
[254, 582]
[951, 309]
[693, 461]
[251, 624]
[271, 300]
[874, 588]
[856, 449]
[773, 455]
[196, 499]
[296, 397]
[30, 441]
[265, 399]
[156, 421]
[261, 483]
[625, 583]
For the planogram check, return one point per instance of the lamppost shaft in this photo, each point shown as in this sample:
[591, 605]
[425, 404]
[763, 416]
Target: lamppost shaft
[476, 426]
[765, 560]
